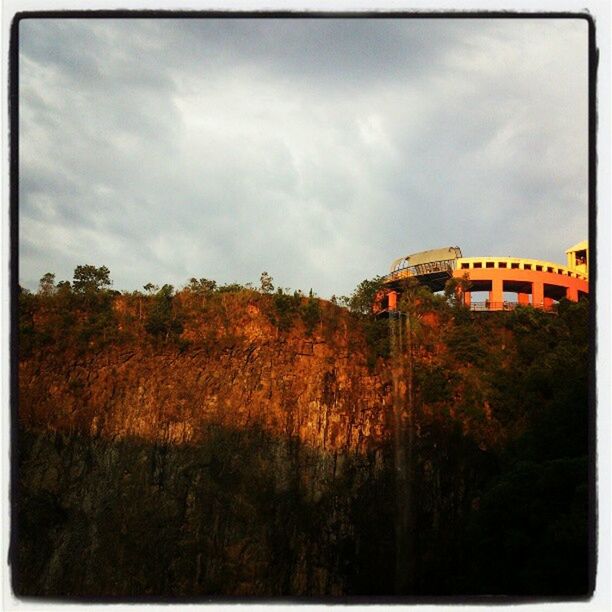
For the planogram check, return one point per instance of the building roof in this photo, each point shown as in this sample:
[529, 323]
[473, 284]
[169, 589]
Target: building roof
[581, 246]
[432, 255]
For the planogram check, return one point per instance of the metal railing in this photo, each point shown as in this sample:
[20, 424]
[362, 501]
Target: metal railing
[488, 306]
[430, 267]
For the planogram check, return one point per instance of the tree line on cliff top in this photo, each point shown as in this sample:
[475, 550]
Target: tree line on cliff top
[85, 307]
[82, 311]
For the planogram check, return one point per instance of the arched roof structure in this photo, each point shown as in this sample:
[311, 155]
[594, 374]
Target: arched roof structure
[533, 281]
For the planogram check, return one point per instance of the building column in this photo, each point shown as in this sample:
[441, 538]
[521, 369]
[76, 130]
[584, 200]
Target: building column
[467, 298]
[392, 300]
[523, 299]
[548, 303]
[496, 295]
[572, 293]
[538, 294]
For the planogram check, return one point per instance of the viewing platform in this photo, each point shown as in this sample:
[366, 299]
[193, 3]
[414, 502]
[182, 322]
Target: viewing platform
[536, 283]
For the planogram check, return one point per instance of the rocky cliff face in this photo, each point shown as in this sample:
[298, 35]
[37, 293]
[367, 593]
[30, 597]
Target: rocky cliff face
[234, 444]
[239, 373]
[227, 465]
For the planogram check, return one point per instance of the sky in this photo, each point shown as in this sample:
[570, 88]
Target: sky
[316, 150]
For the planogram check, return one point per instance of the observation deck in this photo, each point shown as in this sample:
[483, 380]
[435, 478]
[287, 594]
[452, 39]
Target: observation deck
[534, 282]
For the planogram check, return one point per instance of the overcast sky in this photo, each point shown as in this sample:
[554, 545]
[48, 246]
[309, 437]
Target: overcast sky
[317, 150]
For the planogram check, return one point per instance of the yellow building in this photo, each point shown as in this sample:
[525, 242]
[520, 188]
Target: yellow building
[578, 257]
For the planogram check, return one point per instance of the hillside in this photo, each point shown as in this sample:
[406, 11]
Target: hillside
[238, 443]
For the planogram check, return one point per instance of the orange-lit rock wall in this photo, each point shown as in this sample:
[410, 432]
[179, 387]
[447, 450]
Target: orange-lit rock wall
[238, 371]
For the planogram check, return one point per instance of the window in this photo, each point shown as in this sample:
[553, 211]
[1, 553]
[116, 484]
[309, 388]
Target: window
[539, 268]
[478, 264]
[527, 267]
[465, 266]
[514, 266]
[502, 264]
[490, 264]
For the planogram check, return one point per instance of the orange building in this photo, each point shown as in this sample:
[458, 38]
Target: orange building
[505, 281]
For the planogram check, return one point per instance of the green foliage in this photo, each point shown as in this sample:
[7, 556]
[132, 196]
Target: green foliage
[434, 382]
[162, 321]
[310, 312]
[377, 340]
[465, 344]
[46, 285]
[80, 319]
[286, 309]
[202, 286]
[29, 337]
[99, 324]
[231, 288]
[362, 298]
[265, 283]
[64, 288]
[416, 299]
[454, 290]
[89, 279]
[529, 535]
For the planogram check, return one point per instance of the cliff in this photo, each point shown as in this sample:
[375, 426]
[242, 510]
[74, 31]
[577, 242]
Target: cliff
[239, 373]
[232, 444]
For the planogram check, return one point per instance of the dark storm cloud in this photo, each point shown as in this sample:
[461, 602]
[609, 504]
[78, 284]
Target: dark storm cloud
[318, 150]
[337, 51]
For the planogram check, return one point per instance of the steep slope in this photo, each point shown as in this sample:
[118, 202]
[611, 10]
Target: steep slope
[239, 444]
[238, 374]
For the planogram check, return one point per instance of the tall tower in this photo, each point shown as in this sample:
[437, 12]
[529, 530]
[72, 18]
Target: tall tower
[578, 257]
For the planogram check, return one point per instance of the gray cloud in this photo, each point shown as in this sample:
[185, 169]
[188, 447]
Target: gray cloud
[318, 150]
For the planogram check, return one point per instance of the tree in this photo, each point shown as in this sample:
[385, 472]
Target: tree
[150, 288]
[202, 285]
[46, 285]
[89, 279]
[311, 313]
[362, 298]
[161, 320]
[266, 282]
[455, 290]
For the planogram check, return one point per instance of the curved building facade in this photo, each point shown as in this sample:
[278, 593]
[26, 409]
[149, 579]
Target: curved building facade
[505, 281]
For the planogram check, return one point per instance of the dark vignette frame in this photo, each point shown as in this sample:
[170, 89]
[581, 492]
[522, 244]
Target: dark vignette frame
[13, 107]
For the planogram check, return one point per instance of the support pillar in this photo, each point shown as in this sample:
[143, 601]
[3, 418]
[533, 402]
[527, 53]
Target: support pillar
[496, 295]
[572, 293]
[538, 295]
[548, 303]
[523, 299]
[467, 299]
[392, 300]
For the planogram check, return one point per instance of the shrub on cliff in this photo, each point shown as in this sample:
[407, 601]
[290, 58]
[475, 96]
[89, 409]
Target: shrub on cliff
[202, 286]
[465, 344]
[310, 311]
[162, 321]
[362, 298]
[231, 288]
[286, 309]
